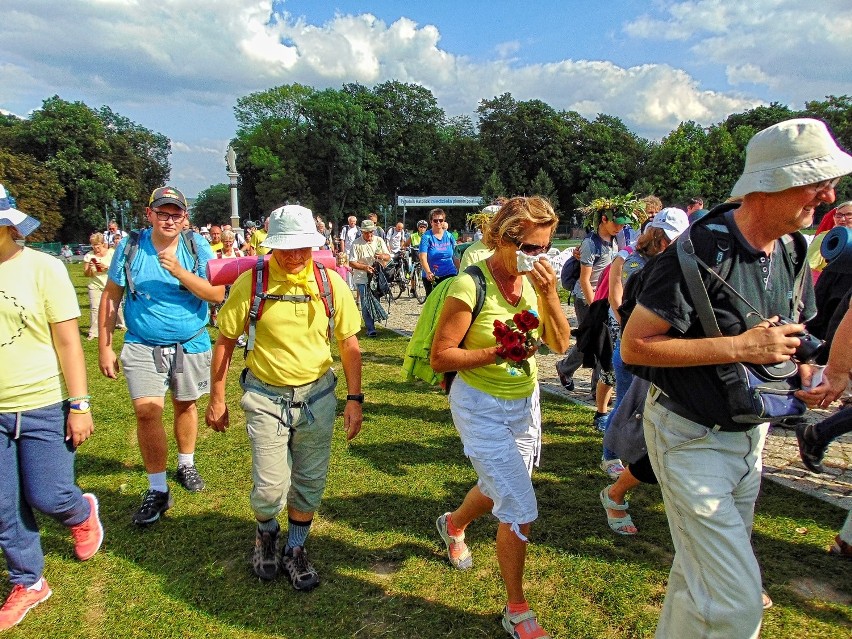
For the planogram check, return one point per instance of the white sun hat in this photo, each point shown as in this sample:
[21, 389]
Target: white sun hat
[292, 227]
[791, 153]
[10, 216]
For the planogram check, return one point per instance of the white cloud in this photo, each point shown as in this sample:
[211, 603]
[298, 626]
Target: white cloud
[506, 49]
[800, 49]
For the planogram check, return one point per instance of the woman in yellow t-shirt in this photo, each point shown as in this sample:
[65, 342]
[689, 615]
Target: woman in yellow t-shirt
[494, 398]
[44, 413]
[95, 266]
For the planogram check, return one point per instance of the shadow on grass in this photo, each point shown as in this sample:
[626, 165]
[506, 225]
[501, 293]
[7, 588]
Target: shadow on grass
[203, 561]
[396, 458]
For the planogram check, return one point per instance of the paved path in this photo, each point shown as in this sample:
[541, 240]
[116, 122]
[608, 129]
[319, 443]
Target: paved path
[781, 461]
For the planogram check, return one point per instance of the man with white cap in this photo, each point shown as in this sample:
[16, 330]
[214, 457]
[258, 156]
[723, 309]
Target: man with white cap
[288, 386]
[707, 464]
[167, 345]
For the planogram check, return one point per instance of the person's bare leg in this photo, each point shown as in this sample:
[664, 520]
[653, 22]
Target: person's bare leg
[475, 505]
[603, 393]
[511, 556]
[186, 425]
[617, 492]
[150, 433]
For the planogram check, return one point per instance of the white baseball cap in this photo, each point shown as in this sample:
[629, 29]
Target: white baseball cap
[10, 216]
[672, 220]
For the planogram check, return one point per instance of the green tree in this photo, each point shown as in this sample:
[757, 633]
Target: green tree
[493, 188]
[544, 186]
[678, 166]
[212, 206]
[37, 191]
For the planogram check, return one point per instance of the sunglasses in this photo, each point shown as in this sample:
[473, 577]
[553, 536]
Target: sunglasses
[531, 249]
[437, 220]
[164, 217]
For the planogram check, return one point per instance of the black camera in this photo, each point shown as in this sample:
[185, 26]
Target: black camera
[809, 346]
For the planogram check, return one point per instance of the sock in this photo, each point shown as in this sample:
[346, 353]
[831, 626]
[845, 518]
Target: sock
[297, 533]
[37, 586]
[517, 608]
[186, 459]
[597, 414]
[451, 527]
[270, 525]
[157, 481]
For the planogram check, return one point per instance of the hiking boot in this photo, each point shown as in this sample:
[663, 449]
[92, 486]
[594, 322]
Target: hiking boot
[457, 551]
[600, 422]
[523, 625]
[811, 454]
[154, 504]
[188, 477]
[88, 535]
[264, 559]
[19, 602]
[567, 382]
[302, 574]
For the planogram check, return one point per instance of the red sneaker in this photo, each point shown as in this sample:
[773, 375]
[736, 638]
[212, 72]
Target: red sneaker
[19, 602]
[88, 535]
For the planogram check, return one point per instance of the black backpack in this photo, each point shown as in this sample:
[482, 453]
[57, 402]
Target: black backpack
[571, 269]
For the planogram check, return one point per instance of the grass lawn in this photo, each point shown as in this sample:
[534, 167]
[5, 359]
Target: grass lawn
[374, 541]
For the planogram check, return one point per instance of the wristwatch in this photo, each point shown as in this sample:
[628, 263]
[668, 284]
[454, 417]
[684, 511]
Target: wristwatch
[356, 398]
[81, 406]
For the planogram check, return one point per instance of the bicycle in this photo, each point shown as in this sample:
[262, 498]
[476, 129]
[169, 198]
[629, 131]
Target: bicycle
[414, 282]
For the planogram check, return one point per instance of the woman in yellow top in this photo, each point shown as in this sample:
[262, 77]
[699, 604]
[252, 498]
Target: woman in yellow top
[44, 413]
[95, 266]
[495, 405]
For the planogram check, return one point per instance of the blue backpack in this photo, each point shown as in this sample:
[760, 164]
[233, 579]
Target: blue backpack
[571, 269]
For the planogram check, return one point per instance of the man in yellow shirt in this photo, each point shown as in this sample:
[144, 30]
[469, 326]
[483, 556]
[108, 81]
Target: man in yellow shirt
[257, 239]
[288, 386]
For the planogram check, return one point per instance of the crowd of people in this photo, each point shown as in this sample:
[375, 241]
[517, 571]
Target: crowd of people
[642, 328]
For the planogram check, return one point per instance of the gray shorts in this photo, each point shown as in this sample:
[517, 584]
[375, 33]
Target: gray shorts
[145, 380]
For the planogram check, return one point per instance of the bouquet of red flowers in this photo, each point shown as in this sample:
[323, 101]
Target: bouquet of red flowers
[515, 340]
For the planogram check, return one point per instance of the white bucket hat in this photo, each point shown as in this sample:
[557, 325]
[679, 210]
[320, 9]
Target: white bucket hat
[672, 220]
[13, 217]
[292, 227]
[791, 153]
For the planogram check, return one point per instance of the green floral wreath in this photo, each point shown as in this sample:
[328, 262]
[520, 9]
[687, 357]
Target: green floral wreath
[619, 205]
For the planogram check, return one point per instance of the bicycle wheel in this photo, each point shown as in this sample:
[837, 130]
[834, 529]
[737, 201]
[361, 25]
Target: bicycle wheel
[419, 288]
[399, 284]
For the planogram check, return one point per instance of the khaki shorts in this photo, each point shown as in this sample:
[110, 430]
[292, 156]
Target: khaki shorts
[145, 380]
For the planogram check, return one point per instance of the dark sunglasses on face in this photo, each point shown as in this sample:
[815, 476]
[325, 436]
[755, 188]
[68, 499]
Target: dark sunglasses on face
[163, 216]
[437, 220]
[531, 249]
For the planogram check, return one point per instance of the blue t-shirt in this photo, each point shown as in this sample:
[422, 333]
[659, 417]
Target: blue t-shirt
[162, 313]
[439, 253]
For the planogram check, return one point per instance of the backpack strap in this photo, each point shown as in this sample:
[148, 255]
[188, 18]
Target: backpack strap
[131, 247]
[479, 281]
[260, 272]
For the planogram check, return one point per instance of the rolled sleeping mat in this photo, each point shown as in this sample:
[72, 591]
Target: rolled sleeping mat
[225, 271]
[836, 248]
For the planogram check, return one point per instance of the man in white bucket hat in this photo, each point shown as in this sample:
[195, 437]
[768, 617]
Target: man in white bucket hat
[289, 384]
[707, 464]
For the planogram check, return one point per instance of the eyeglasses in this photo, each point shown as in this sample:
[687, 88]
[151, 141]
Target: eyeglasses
[531, 249]
[843, 216]
[825, 184]
[164, 217]
[437, 220]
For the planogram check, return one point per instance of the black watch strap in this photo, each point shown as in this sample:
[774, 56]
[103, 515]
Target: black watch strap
[356, 398]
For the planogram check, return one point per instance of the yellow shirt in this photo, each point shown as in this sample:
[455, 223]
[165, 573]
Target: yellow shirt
[291, 341]
[257, 237]
[97, 282]
[815, 259]
[476, 252]
[495, 379]
[35, 292]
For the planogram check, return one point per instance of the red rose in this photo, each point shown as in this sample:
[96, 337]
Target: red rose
[526, 321]
[500, 329]
[516, 353]
[512, 338]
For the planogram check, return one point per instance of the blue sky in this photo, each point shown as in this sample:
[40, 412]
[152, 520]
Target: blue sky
[179, 66]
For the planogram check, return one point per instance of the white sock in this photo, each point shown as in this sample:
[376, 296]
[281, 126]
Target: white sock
[37, 586]
[157, 481]
[186, 459]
